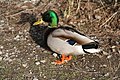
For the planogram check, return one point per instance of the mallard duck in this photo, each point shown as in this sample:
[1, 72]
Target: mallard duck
[65, 40]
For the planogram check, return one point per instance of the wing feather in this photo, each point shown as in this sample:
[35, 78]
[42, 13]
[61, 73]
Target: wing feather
[68, 34]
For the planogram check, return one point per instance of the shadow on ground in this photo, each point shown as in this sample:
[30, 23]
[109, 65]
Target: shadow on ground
[36, 32]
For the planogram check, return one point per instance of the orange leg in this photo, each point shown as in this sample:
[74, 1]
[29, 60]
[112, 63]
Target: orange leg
[68, 58]
[63, 58]
[61, 61]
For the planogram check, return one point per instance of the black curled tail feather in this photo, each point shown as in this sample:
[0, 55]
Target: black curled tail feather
[91, 45]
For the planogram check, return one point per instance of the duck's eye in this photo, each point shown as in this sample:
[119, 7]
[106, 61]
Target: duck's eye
[47, 15]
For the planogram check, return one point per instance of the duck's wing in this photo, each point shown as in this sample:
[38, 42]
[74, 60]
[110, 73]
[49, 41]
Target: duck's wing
[63, 40]
[71, 35]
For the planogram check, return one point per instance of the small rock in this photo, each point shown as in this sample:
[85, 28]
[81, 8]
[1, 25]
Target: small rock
[30, 72]
[0, 52]
[10, 60]
[109, 56]
[43, 61]
[20, 32]
[113, 47]
[44, 76]
[83, 58]
[1, 58]
[11, 28]
[29, 44]
[35, 78]
[104, 65]
[24, 7]
[37, 46]
[17, 38]
[36, 57]
[119, 51]
[33, 51]
[13, 53]
[28, 58]
[105, 53]
[25, 30]
[7, 59]
[107, 74]
[6, 55]
[114, 50]
[1, 47]
[34, 0]
[52, 62]
[45, 51]
[37, 63]
[115, 78]
[24, 65]
[1, 26]
[2, 21]
[93, 78]
[54, 54]
[117, 42]
[97, 17]
[79, 24]
[93, 66]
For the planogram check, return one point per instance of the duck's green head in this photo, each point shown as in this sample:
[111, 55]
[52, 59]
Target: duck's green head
[50, 17]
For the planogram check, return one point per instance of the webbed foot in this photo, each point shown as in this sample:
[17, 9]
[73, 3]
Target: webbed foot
[63, 58]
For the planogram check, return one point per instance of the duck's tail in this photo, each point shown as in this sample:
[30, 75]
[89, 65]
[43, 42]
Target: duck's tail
[91, 47]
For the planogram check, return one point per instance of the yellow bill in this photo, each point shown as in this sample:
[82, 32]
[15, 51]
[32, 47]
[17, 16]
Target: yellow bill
[38, 22]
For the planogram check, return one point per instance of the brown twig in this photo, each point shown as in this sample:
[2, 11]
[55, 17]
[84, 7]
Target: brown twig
[102, 3]
[115, 3]
[78, 7]
[37, 4]
[114, 71]
[28, 10]
[98, 9]
[109, 19]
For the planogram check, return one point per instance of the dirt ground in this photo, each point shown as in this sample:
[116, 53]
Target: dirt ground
[23, 55]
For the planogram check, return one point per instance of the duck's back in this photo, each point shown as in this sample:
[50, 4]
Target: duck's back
[59, 40]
